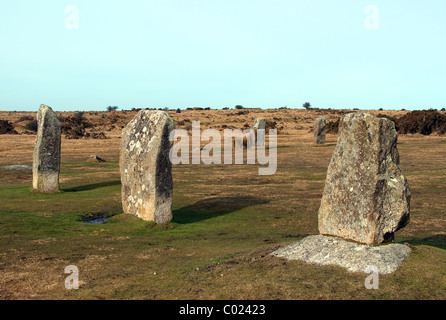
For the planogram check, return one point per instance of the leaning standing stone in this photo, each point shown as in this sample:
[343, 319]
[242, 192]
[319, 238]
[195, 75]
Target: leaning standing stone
[366, 196]
[319, 130]
[146, 170]
[46, 157]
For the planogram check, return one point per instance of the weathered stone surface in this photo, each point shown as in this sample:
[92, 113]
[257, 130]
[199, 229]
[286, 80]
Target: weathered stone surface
[366, 196]
[46, 157]
[324, 251]
[319, 130]
[146, 170]
[259, 123]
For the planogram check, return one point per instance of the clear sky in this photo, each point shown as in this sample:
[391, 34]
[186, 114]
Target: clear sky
[218, 53]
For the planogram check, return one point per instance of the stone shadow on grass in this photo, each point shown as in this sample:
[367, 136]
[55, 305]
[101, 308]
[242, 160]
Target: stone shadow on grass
[92, 186]
[213, 207]
[438, 241]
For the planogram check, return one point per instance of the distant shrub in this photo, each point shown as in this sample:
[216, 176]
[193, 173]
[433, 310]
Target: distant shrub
[238, 107]
[443, 109]
[225, 108]
[79, 117]
[178, 110]
[332, 126]
[74, 127]
[31, 126]
[270, 125]
[381, 115]
[6, 127]
[25, 118]
[424, 122]
[307, 105]
[96, 135]
[112, 108]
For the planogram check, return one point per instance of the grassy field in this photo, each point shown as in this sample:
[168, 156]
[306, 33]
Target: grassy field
[227, 219]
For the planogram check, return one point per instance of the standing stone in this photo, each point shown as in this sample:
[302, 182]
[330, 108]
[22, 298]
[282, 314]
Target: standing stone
[319, 130]
[259, 123]
[366, 197]
[146, 170]
[46, 157]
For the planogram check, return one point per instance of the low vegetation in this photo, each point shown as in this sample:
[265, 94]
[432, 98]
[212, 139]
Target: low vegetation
[25, 118]
[31, 126]
[424, 122]
[75, 127]
[227, 219]
[6, 127]
[332, 126]
[306, 105]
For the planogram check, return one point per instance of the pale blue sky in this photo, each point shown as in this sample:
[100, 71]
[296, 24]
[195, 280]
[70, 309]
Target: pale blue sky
[218, 53]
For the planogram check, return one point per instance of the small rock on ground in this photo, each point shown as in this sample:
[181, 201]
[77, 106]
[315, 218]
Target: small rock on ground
[95, 158]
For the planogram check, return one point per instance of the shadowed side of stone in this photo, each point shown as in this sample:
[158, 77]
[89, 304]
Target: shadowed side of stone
[319, 130]
[46, 156]
[366, 196]
[146, 170]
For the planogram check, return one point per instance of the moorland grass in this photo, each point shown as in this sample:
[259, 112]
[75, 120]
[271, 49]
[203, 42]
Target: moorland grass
[227, 220]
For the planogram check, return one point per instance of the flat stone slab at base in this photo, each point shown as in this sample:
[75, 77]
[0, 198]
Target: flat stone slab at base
[325, 251]
[18, 167]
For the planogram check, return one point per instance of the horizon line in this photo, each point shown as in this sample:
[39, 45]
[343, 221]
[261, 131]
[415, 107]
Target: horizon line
[104, 109]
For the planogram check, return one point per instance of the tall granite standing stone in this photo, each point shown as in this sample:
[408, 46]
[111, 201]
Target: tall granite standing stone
[146, 170]
[46, 157]
[319, 130]
[366, 197]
